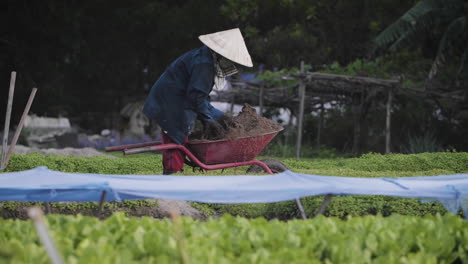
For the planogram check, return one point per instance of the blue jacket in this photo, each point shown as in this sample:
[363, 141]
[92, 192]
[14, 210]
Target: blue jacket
[181, 95]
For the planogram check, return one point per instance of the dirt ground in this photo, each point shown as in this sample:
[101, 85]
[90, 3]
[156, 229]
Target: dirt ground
[82, 152]
[159, 209]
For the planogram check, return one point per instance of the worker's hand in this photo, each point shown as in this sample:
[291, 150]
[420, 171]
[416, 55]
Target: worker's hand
[215, 113]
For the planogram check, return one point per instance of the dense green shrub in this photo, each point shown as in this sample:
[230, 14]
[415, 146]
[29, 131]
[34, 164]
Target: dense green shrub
[138, 164]
[340, 206]
[450, 162]
[118, 239]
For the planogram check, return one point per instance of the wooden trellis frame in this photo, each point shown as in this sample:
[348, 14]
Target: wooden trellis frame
[310, 86]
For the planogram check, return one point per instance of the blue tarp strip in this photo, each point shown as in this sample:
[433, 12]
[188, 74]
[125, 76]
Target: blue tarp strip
[44, 185]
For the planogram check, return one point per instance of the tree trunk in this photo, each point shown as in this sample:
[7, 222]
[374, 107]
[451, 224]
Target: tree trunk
[300, 116]
[388, 121]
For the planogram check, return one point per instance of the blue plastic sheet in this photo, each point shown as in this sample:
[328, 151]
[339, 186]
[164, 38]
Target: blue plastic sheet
[44, 185]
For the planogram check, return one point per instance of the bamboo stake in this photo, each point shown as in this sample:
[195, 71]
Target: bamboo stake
[260, 99]
[37, 216]
[324, 205]
[6, 129]
[178, 234]
[300, 116]
[101, 203]
[301, 208]
[320, 126]
[19, 128]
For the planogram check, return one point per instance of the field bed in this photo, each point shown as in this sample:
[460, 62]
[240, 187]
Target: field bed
[369, 165]
[118, 239]
[427, 234]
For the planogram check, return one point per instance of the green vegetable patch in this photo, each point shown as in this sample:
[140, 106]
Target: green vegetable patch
[119, 239]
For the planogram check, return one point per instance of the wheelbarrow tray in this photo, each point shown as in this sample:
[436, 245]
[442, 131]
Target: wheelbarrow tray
[228, 151]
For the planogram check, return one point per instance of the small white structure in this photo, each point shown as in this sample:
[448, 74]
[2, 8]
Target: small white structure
[41, 130]
[137, 121]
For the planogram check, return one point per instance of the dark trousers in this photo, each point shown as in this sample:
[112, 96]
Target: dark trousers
[173, 160]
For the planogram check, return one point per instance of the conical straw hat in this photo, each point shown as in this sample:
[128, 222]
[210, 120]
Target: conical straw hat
[229, 44]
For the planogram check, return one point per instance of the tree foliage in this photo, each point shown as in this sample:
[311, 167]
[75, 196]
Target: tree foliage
[91, 55]
[89, 58]
[442, 20]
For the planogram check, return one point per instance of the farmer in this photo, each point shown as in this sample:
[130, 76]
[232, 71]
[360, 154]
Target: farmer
[181, 95]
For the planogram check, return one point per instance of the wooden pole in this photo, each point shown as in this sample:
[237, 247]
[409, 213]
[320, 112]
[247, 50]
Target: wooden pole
[37, 216]
[101, 203]
[260, 99]
[301, 209]
[324, 205]
[356, 108]
[19, 128]
[388, 121]
[320, 126]
[6, 129]
[232, 105]
[300, 117]
[47, 208]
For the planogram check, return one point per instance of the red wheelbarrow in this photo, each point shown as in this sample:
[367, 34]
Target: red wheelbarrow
[220, 154]
[216, 154]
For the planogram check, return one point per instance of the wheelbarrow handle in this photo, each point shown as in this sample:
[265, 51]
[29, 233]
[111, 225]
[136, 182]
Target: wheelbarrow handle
[131, 146]
[138, 150]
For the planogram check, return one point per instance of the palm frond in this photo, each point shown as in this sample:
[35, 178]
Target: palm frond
[463, 69]
[405, 39]
[408, 21]
[453, 34]
[410, 36]
[420, 19]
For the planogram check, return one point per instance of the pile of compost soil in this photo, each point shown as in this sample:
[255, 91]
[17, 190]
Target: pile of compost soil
[246, 124]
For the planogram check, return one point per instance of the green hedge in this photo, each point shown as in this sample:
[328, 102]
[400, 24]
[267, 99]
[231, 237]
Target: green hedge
[138, 164]
[450, 162]
[340, 206]
[118, 239]
[369, 165]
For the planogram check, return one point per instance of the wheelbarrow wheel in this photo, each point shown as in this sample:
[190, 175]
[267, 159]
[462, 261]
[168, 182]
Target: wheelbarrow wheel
[275, 166]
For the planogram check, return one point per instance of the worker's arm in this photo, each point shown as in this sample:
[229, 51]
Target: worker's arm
[200, 86]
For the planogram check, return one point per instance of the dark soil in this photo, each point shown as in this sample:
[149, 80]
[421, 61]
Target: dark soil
[160, 209]
[275, 165]
[21, 212]
[246, 124]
